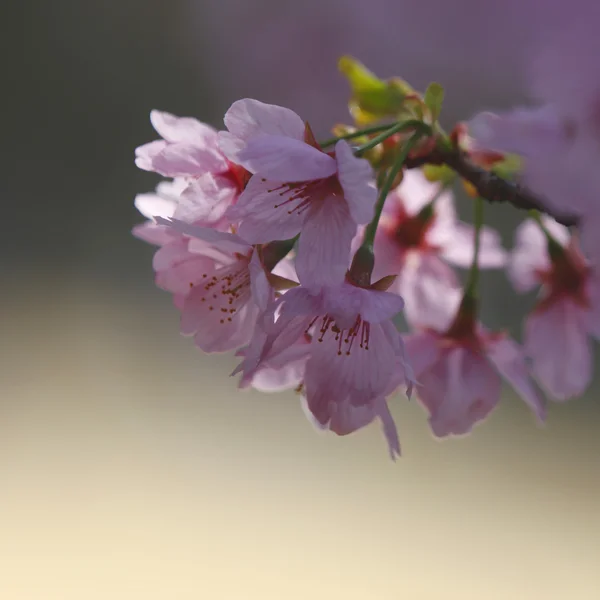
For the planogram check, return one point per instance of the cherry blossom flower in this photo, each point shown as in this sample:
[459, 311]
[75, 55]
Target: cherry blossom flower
[297, 188]
[459, 369]
[355, 355]
[545, 141]
[226, 285]
[418, 235]
[189, 151]
[560, 137]
[175, 264]
[557, 332]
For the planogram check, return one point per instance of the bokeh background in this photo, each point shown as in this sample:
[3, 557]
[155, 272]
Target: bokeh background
[130, 465]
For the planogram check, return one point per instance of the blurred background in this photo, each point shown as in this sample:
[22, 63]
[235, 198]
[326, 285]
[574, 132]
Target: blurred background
[131, 466]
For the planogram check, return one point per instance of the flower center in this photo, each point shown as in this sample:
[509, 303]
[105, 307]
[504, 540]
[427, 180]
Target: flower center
[567, 276]
[410, 232]
[463, 329]
[238, 175]
[357, 336]
[227, 290]
[296, 197]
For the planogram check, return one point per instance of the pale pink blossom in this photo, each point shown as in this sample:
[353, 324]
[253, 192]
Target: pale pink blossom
[557, 332]
[188, 148]
[418, 235]
[297, 188]
[221, 283]
[279, 369]
[355, 355]
[560, 138]
[459, 370]
[552, 157]
[176, 262]
[189, 151]
[161, 203]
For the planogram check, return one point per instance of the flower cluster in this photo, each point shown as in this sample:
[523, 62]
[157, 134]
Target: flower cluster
[300, 256]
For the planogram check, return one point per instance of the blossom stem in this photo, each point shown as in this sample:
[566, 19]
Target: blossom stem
[385, 188]
[472, 289]
[490, 186]
[419, 127]
[355, 134]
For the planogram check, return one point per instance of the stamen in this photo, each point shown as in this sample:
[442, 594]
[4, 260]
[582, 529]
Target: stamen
[229, 288]
[344, 337]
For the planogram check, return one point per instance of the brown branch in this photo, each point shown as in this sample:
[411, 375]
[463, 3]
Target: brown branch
[489, 186]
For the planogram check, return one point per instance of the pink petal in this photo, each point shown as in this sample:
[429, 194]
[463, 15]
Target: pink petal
[461, 245]
[230, 145]
[262, 293]
[341, 389]
[300, 301]
[187, 159]
[404, 374]
[344, 369]
[182, 275]
[324, 246]
[278, 380]
[280, 158]
[557, 342]
[356, 178]
[216, 337]
[525, 131]
[153, 234]
[509, 359]
[389, 428]
[162, 203]
[169, 254]
[345, 302]
[529, 258]
[212, 331]
[182, 129]
[430, 290]
[273, 346]
[460, 390]
[205, 200]
[226, 241]
[414, 192]
[281, 371]
[151, 205]
[145, 154]
[389, 254]
[265, 213]
[247, 118]
[423, 351]
[285, 268]
[345, 418]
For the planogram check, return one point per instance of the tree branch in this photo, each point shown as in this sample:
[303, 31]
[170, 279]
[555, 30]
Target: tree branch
[490, 186]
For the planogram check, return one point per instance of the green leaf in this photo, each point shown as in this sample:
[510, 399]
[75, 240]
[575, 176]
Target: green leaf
[372, 98]
[434, 98]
